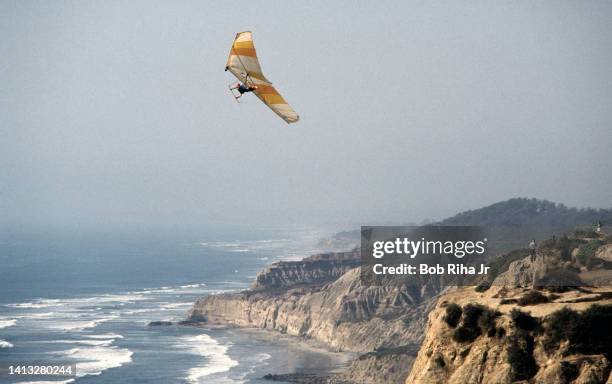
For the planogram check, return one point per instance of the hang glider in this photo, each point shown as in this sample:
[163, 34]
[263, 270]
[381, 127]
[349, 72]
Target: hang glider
[243, 63]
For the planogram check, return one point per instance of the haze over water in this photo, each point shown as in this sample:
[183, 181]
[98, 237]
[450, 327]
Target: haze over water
[89, 303]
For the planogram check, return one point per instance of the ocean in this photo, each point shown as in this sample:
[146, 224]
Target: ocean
[87, 300]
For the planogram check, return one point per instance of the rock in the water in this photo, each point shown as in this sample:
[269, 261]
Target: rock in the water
[159, 323]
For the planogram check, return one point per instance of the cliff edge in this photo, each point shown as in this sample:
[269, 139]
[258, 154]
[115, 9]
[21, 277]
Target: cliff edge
[540, 321]
[322, 298]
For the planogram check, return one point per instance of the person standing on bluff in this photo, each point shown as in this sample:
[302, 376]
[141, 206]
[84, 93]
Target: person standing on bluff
[532, 250]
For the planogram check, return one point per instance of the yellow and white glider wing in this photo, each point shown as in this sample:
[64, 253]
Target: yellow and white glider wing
[243, 63]
[270, 96]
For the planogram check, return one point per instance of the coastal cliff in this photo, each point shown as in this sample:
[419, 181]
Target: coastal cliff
[497, 343]
[322, 298]
[313, 270]
[343, 314]
[541, 321]
[402, 334]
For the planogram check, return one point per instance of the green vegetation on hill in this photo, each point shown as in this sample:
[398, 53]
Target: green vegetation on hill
[586, 253]
[513, 223]
[510, 224]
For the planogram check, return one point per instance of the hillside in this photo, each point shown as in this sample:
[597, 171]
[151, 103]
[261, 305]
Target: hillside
[322, 298]
[543, 322]
[509, 224]
[513, 223]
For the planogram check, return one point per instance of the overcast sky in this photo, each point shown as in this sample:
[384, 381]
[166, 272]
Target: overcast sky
[119, 113]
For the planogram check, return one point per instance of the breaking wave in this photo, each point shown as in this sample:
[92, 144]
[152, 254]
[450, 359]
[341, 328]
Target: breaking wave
[5, 344]
[5, 323]
[97, 354]
[217, 359]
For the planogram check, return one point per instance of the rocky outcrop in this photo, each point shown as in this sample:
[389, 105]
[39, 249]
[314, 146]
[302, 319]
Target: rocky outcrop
[317, 269]
[538, 322]
[344, 314]
[523, 272]
[605, 253]
[507, 353]
[322, 298]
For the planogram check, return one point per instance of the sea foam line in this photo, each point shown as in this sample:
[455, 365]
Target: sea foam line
[95, 360]
[217, 359]
[79, 325]
[5, 323]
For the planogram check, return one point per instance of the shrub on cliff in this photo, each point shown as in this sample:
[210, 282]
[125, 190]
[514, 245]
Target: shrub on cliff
[532, 298]
[569, 371]
[521, 345]
[464, 334]
[520, 356]
[559, 326]
[477, 320]
[486, 322]
[523, 320]
[587, 332]
[453, 314]
[483, 286]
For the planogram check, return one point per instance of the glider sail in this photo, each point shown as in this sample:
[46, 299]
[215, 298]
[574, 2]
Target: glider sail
[243, 64]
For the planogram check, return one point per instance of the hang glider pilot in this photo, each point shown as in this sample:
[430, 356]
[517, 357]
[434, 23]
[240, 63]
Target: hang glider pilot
[242, 88]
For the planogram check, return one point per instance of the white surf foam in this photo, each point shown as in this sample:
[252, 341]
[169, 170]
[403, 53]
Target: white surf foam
[46, 382]
[263, 357]
[170, 306]
[79, 325]
[40, 315]
[217, 359]
[193, 285]
[81, 301]
[138, 311]
[107, 299]
[5, 322]
[97, 359]
[5, 344]
[105, 336]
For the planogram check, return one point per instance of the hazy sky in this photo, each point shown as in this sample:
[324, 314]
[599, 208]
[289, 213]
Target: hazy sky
[119, 113]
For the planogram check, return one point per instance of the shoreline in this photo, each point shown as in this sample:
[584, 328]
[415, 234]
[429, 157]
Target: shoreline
[342, 360]
[339, 362]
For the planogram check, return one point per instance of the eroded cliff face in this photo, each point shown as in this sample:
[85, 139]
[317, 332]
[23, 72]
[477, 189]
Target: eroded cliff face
[343, 314]
[313, 270]
[385, 365]
[509, 351]
[542, 320]
[322, 298]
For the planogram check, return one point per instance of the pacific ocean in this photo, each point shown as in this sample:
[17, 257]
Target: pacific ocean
[88, 300]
